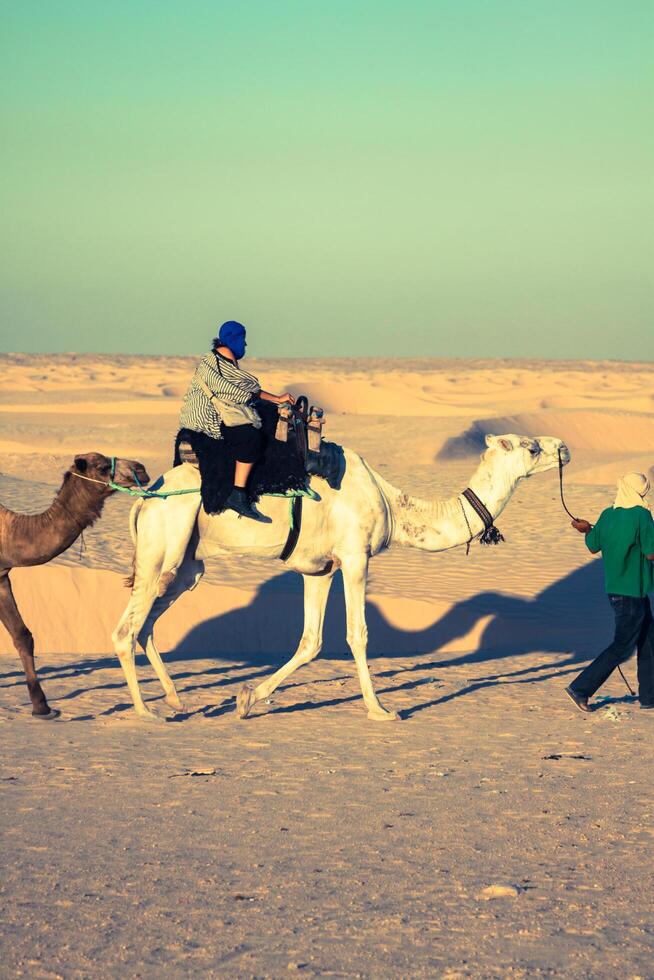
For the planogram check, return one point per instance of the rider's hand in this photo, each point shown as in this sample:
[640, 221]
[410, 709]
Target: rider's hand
[286, 397]
[582, 526]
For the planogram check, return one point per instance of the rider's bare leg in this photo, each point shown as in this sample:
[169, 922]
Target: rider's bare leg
[241, 474]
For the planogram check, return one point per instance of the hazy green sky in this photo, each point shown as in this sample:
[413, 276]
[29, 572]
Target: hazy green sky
[452, 177]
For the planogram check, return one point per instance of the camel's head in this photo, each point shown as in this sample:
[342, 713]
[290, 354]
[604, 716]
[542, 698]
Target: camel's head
[524, 455]
[98, 469]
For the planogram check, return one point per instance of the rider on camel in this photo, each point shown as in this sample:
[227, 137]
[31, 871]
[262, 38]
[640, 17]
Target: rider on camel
[220, 404]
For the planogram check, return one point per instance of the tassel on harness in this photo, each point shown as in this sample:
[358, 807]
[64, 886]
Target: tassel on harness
[491, 535]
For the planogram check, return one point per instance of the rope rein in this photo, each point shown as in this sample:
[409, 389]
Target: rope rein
[142, 492]
[561, 488]
[138, 491]
[569, 513]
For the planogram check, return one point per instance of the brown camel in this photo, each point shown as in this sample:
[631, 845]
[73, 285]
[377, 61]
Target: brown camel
[33, 539]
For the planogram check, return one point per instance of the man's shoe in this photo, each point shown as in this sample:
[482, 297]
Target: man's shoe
[646, 707]
[579, 699]
[239, 502]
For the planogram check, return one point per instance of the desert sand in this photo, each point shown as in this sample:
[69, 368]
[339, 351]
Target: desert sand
[494, 831]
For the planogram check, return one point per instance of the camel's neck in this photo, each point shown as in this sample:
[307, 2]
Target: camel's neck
[441, 524]
[32, 539]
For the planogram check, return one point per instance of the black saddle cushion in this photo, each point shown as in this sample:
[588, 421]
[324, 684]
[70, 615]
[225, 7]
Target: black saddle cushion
[280, 466]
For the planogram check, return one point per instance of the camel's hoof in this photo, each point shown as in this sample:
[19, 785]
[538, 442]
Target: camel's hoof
[244, 701]
[175, 704]
[150, 718]
[383, 716]
[52, 713]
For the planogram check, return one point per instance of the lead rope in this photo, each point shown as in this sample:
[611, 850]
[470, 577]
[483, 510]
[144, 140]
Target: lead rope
[633, 693]
[628, 685]
[143, 492]
[139, 490]
[561, 488]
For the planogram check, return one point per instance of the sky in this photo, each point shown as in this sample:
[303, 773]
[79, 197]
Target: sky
[345, 177]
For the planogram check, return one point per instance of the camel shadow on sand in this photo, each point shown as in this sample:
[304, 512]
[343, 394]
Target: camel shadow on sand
[569, 618]
[549, 622]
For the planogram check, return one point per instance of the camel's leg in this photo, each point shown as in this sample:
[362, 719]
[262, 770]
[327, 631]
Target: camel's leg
[131, 622]
[355, 573]
[316, 591]
[152, 547]
[24, 643]
[179, 515]
[188, 575]
[124, 640]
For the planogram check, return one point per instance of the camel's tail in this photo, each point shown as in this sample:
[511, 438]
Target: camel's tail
[128, 581]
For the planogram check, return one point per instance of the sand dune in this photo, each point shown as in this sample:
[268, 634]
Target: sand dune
[604, 431]
[607, 432]
[380, 386]
[134, 407]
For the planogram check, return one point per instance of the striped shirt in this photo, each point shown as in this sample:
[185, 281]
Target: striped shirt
[227, 381]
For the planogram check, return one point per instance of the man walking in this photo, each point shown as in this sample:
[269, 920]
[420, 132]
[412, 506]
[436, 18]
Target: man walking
[624, 534]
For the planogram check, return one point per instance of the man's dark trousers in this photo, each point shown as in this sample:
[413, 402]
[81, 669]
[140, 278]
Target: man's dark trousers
[634, 627]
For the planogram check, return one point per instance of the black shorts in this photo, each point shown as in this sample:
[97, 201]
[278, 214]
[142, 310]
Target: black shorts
[243, 442]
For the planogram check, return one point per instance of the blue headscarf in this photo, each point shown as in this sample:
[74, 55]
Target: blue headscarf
[232, 335]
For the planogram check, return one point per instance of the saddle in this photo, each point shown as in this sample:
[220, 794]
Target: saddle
[295, 423]
[293, 451]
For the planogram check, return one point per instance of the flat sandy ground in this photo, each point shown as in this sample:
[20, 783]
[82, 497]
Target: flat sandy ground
[307, 839]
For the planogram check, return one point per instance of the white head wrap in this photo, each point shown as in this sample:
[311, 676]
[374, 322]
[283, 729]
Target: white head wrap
[632, 489]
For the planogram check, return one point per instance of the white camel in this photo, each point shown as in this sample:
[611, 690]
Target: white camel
[344, 529]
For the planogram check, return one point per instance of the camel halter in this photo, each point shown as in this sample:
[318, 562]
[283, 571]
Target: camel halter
[490, 534]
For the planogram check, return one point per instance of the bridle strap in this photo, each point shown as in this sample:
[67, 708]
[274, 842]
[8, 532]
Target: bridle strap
[109, 484]
[479, 507]
[490, 534]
